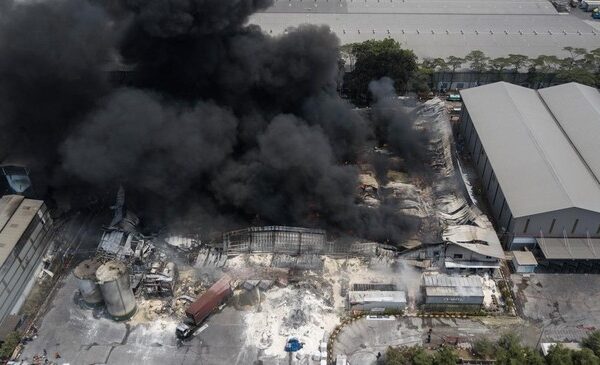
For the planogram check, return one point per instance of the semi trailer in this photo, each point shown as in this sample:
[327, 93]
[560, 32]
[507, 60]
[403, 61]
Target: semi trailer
[204, 306]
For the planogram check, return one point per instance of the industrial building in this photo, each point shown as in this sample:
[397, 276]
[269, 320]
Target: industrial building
[452, 293]
[538, 157]
[376, 301]
[523, 262]
[24, 225]
[275, 239]
[471, 249]
[440, 28]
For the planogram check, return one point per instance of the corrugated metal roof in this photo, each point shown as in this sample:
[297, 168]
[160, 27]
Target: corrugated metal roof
[451, 281]
[454, 291]
[413, 6]
[376, 296]
[16, 226]
[483, 241]
[442, 35]
[570, 248]
[524, 258]
[576, 107]
[537, 167]
[8, 205]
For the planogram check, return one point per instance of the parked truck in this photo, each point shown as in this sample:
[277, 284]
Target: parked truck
[588, 5]
[204, 306]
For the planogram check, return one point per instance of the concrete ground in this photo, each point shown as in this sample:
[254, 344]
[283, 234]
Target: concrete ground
[361, 340]
[83, 336]
[566, 306]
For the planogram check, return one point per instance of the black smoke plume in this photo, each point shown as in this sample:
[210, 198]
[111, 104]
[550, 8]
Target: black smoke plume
[215, 125]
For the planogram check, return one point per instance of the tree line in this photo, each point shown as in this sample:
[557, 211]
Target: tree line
[506, 351]
[371, 60]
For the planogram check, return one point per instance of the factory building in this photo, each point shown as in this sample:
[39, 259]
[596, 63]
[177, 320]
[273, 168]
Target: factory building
[439, 28]
[452, 293]
[538, 157]
[24, 224]
[376, 300]
[471, 249]
[523, 262]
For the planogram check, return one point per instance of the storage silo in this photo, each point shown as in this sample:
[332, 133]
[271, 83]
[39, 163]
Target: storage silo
[113, 279]
[85, 273]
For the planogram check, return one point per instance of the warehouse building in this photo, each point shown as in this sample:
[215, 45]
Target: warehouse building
[452, 293]
[24, 224]
[440, 28]
[471, 250]
[538, 157]
[523, 262]
[377, 301]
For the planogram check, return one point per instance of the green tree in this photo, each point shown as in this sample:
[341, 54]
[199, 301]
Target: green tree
[517, 61]
[498, 65]
[445, 356]
[420, 357]
[374, 60]
[577, 74]
[559, 355]
[585, 357]
[592, 342]
[454, 63]
[484, 349]
[509, 350]
[10, 343]
[407, 356]
[544, 69]
[533, 357]
[477, 62]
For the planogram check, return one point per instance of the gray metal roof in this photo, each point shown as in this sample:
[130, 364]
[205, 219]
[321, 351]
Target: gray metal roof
[576, 107]
[453, 291]
[483, 241]
[413, 6]
[16, 225]
[570, 248]
[376, 296]
[442, 35]
[524, 258]
[537, 167]
[451, 281]
[8, 205]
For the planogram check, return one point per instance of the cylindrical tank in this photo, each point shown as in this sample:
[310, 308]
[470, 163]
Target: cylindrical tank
[113, 279]
[85, 273]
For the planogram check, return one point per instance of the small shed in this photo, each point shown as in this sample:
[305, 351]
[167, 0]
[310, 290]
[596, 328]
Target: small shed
[377, 301]
[523, 262]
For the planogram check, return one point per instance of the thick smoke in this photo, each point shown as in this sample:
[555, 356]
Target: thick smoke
[52, 56]
[394, 127]
[218, 124]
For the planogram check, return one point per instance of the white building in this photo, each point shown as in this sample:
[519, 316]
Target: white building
[24, 224]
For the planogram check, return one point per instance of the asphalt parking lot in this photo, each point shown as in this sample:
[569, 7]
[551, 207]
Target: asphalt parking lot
[566, 306]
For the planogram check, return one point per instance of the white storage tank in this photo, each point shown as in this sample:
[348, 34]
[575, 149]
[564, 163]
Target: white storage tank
[113, 278]
[85, 273]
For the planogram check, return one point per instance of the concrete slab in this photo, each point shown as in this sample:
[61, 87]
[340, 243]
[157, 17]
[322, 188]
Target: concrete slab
[81, 337]
[566, 306]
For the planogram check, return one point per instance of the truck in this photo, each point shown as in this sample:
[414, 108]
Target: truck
[590, 5]
[204, 306]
